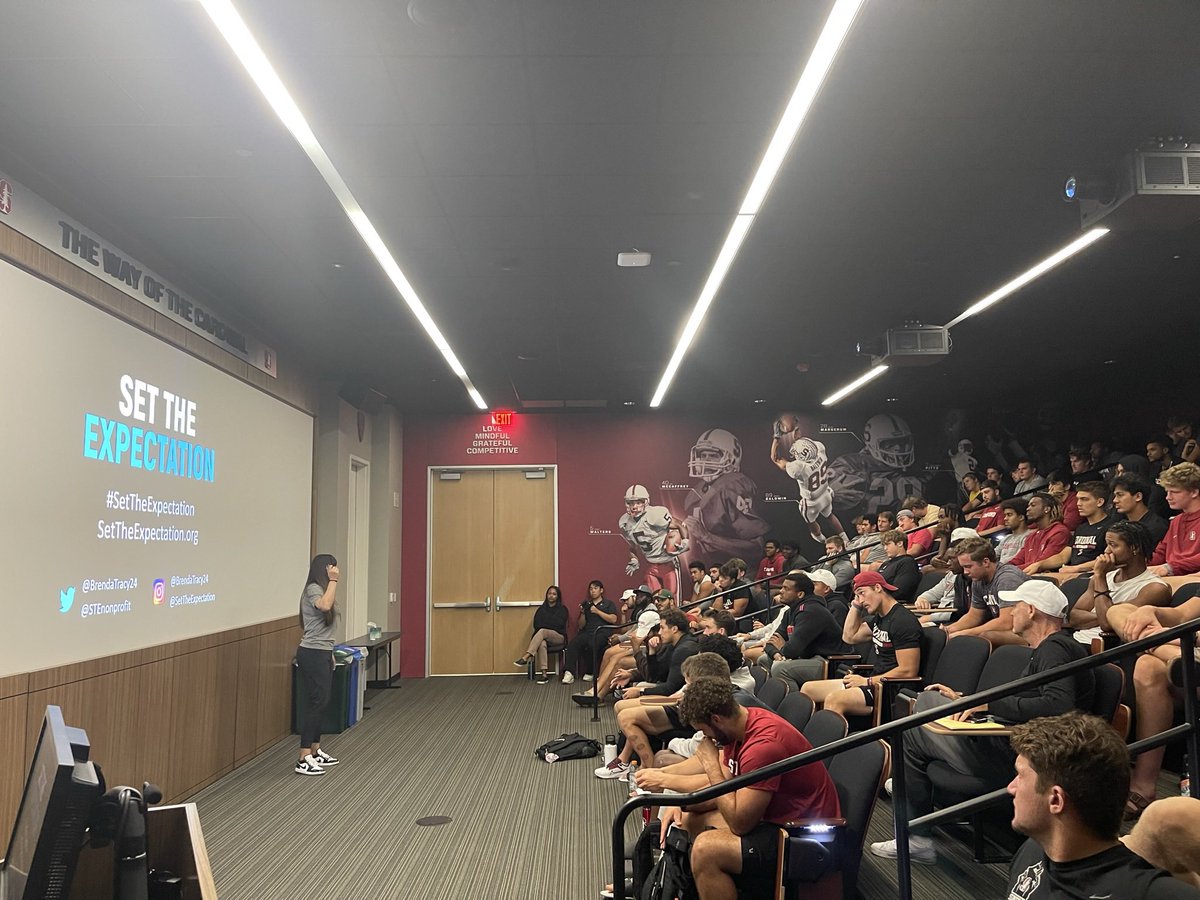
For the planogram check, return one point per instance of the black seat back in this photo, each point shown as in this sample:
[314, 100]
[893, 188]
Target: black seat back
[760, 676]
[859, 775]
[962, 663]
[1185, 592]
[825, 727]
[797, 709]
[1074, 589]
[928, 581]
[772, 692]
[933, 642]
[1110, 685]
[1005, 664]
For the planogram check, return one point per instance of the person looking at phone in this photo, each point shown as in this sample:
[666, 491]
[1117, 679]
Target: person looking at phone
[1038, 610]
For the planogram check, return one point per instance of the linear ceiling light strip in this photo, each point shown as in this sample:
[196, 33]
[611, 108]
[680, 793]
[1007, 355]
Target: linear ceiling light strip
[252, 58]
[1031, 274]
[854, 386]
[1080, 243]
[837, 26]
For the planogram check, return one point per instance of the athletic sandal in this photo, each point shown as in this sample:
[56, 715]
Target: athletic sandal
[585, 699]
[1134, 807]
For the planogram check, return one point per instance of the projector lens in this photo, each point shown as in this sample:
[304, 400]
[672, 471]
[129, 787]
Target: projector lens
[1069, 188]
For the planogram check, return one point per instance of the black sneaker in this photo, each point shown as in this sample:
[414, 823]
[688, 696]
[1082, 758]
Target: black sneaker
[543, 679]
[308, 766]
[520, 663]
[324, 760]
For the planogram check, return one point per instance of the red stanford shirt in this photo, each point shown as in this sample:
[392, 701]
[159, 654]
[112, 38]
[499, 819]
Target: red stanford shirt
[1180, 549]
[1041, 544]
[803, 793]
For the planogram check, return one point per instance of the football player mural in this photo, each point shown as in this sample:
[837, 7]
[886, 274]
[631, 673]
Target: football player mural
[655, 541]
[720, 520]
[805, 461]
[878, 476]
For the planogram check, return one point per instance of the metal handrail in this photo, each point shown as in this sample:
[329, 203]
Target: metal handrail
[893, 732]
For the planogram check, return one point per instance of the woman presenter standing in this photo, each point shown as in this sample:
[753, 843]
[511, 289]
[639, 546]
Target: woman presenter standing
[315, 658]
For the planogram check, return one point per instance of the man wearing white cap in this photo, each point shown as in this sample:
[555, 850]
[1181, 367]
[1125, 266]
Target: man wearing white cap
[1038, 609]
[952, 594]
[825, 589]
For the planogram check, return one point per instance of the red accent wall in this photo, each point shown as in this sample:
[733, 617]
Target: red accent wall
[598, 456]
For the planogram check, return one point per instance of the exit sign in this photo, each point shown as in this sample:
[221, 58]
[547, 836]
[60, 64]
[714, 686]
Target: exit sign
[502, 417]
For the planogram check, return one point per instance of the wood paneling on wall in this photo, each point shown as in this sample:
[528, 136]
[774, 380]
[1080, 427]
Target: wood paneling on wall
[179, 715]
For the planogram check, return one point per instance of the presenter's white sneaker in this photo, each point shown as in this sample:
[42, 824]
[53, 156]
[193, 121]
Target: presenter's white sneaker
[568, 678]
[309, 766]
[920, 850]
[324, 760]
[587, 677]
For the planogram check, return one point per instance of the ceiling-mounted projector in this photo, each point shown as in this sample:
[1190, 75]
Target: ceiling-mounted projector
[912, 344]
[1155, 188]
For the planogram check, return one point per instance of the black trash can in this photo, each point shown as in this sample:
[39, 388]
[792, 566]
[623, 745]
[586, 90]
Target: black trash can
[337, 712]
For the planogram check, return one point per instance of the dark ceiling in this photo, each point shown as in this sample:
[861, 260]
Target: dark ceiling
[508, 149]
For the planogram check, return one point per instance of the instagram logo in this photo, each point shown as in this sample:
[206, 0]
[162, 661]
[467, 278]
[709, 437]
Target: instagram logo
[160, 591]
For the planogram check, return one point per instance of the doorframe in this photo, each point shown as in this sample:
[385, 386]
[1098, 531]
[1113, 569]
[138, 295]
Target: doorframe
[430, 471]
[357, 467]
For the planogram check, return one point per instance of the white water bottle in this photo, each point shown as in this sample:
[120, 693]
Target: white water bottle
[610, 748]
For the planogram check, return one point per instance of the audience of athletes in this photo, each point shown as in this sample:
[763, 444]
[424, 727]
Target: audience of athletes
[1102, 550]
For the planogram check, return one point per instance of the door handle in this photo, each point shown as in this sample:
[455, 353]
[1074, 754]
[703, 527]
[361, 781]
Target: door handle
[488, 605]
[515, 603]
[462, 605]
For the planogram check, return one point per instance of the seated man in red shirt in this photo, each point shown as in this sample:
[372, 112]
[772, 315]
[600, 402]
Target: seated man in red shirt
[742, 840]
[1179, 552]
[1048, 538]
[920, 542]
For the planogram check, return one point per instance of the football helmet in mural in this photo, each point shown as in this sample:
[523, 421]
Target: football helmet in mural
[888, 439]
[715, 453]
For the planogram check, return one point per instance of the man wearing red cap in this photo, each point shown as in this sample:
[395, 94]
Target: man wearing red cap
[874, 615]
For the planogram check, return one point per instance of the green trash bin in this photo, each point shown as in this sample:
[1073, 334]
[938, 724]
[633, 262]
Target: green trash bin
[337, 712]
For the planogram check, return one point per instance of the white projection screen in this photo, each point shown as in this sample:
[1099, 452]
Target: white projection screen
[149, 497]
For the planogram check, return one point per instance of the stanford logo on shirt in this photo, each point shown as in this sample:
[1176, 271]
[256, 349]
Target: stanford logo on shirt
[1028, 882]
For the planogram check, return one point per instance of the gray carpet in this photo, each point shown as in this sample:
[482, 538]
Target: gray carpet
[458, 747]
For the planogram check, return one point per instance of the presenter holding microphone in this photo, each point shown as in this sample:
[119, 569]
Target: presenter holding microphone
[315, 658]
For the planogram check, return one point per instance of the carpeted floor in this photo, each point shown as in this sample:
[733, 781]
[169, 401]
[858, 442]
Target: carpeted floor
[460, 747]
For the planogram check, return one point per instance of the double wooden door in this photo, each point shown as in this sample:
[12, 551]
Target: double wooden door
[492, 556]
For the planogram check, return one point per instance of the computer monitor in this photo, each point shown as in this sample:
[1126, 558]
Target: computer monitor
[49, 830]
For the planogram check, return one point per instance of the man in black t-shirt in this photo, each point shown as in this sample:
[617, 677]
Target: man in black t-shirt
[899, 568]
[806, 634]
[1068, 795]
[874, 615]
[595, 611]
[1087, 541]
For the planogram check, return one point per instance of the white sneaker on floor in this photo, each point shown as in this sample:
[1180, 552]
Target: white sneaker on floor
[615, 769]
[568, 678]
[324, 760]
[309, 766]
[920, 850]
[587, 677]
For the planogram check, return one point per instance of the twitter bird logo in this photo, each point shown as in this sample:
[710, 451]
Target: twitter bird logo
[66, 599]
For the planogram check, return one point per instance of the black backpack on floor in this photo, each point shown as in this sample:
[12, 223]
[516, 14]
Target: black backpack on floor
[568, 746]
[671, 876]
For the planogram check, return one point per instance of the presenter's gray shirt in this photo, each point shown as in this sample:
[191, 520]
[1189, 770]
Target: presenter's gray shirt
[318, 633]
